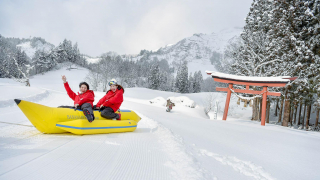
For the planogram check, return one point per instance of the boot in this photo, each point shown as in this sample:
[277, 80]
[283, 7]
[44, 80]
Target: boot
[88, 115]
[119, 117]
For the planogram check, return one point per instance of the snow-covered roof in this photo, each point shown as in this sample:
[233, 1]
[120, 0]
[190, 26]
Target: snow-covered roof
[282, 79]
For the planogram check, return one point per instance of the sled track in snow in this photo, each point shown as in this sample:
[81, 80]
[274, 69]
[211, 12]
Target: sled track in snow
[246, 168]
[32, 98]
[181, 160]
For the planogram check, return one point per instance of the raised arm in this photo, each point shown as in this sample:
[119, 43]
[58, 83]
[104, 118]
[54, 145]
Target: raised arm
[71, 94]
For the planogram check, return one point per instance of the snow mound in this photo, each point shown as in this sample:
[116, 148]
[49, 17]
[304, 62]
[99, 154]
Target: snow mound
[178, 101]
[183, 101]
[159, 101]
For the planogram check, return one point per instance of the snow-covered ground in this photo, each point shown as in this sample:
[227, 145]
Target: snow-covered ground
[182, 144]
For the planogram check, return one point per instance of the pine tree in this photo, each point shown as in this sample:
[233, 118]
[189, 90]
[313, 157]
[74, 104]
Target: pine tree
[191, 83]
[252, 53]
[182, 78]
[164, 79]
[154, 77]
[198, 80]
[76, 55]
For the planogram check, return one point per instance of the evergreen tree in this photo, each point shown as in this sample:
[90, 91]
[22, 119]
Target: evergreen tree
[182, 78]
[76, 54]
[191, 83]
[154, 77]
[253, 53]
[164, 85]
[198, 80]
[43, 61]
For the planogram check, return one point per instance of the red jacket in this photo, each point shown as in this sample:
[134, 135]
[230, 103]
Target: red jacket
[87, 97]
[112, 99]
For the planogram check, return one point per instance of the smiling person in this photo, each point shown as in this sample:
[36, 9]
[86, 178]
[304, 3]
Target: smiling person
[84, 99]
[111, 102]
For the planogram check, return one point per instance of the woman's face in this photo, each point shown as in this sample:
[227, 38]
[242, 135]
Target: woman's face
[113, 87]
[83, 88]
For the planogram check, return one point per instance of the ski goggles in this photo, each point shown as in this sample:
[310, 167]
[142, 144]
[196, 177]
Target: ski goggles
[112, 83]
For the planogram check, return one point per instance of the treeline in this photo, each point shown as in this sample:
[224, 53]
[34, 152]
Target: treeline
[154, 74]
[282, 38]
[44, 61]
[17, 65]
[12, 58]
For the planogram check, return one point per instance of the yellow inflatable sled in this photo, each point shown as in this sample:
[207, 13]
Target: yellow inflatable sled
[82, 126]
[60, 120]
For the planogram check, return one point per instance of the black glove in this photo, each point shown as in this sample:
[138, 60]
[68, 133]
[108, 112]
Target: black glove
[101, 109]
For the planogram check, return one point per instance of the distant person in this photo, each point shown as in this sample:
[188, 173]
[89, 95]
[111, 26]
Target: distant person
[169, 105]
[111, 102]
[84, 99]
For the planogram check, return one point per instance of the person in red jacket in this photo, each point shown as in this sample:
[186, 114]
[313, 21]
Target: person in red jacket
[84, 99]
[111, 102]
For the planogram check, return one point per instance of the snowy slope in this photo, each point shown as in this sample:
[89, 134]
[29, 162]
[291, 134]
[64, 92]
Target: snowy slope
[37, 45]
[183, 144]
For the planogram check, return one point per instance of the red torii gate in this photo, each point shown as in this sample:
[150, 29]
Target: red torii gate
[265, 82]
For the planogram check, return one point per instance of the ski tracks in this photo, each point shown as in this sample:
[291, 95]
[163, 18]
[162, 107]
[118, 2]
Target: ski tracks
[181, 160]
[184, 164]
[246, 168]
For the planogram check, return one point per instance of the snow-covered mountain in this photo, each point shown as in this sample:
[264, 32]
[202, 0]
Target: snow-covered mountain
[199, 50]
[202, 51]
[30, 46]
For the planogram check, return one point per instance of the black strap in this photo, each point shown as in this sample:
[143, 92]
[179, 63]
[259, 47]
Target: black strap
[70, 107]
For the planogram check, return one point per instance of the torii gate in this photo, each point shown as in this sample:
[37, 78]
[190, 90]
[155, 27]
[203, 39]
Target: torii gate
[265, 82]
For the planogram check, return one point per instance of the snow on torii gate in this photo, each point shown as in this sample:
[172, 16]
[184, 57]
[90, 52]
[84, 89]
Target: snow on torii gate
[265, 82]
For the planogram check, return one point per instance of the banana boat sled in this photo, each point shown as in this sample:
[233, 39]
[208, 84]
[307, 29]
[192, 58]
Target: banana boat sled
[52, 120]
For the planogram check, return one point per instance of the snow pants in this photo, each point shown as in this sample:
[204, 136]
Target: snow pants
[87, 106]
[108, 113]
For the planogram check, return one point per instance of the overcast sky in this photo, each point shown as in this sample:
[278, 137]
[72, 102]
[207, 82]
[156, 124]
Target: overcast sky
[123, 26]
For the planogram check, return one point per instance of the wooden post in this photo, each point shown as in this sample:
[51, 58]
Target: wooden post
[300, 106]
[277, 107]
[295, 112]
[268, 112]
[286, 114]
[226, 107]
[264, 106]
[281, 109]
[304, 114]
[317, 119]
[308, 116]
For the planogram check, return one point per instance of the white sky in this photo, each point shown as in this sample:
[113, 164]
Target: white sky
[123, 26]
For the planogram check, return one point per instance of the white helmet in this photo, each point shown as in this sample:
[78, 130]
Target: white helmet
[113, 81]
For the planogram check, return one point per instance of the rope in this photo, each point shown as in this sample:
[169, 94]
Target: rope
[246, 98]
[16, 124]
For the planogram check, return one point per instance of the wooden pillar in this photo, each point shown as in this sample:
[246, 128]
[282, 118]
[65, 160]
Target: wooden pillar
[264, 106]
[226, 107]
